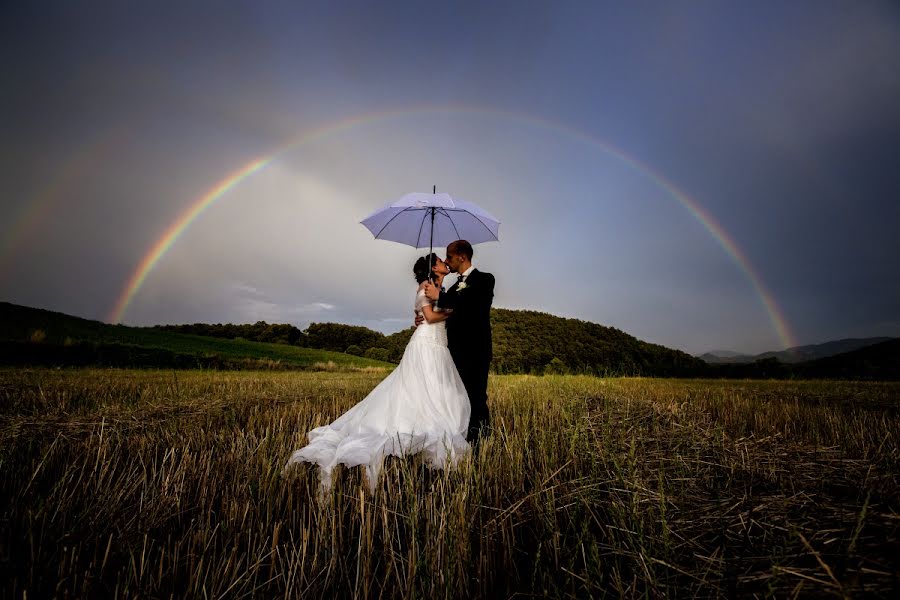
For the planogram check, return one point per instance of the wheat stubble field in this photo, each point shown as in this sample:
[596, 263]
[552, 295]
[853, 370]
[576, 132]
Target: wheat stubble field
[160, 484]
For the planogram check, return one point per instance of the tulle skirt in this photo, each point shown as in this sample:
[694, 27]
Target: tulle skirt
[420, 407]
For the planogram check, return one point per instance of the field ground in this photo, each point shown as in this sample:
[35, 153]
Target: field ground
[159, 483]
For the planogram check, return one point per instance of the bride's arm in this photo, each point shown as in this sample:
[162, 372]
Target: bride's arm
[434, 316]
[426, 309]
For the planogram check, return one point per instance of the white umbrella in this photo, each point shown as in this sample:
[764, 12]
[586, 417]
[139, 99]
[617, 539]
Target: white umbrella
[420, 219]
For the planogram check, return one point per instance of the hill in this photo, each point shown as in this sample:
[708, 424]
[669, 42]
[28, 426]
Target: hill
[877, 361]
[796, 354]
[37, 336]
[529, 341]
[534, 342]
[724, 356]
[810, 352]
[523, 342]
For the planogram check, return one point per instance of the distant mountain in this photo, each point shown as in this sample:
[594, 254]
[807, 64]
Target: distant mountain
[725, 353]
[817, 351]
[797, 354]
[723, 356]
[879, 361]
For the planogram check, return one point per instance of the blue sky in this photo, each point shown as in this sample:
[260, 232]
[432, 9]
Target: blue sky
[779, 121]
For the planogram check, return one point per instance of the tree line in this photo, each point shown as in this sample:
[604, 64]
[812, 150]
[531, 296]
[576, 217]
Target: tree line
[533, 342]
[523, 342]
[336, 337]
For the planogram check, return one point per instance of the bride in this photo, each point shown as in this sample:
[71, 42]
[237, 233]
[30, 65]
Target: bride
[421, 406]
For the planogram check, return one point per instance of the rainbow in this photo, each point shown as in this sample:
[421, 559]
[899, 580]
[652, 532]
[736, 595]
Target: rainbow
[201, 204]
[175, 229]
[41, 204]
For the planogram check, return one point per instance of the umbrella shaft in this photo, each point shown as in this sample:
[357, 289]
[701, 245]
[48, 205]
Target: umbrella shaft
[431, 246]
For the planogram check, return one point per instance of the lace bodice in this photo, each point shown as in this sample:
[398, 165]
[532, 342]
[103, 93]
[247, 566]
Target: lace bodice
[421, 301]
[431, 332]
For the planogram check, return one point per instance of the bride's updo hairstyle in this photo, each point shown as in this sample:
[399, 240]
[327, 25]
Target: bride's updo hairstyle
[422, 268]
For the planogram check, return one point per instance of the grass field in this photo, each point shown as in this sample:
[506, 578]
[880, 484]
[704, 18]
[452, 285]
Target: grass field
[154, 483]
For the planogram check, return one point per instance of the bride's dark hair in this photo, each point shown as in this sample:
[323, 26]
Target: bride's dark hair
[423, 266]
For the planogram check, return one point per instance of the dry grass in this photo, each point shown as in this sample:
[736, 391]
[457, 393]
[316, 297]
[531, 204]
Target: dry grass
[123, 483]
[332, 367]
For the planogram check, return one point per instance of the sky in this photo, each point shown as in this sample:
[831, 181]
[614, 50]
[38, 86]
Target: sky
[704, 175]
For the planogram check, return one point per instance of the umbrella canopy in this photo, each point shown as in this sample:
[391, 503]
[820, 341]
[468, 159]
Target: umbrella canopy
[423, 220]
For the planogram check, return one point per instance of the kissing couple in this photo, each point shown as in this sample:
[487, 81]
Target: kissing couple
[435, 401]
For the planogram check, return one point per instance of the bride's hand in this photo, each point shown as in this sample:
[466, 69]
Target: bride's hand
[432, 292]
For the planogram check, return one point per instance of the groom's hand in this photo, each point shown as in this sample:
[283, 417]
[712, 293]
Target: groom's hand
[431, 291]
[419, 319]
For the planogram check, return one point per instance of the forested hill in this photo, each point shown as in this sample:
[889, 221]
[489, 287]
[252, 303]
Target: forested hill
[524, 342]
[530, 341]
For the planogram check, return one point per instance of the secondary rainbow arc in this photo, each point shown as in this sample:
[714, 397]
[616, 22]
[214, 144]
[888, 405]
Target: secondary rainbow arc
[24, 227]
[152, 257]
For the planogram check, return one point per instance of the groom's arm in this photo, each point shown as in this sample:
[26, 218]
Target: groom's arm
[448, 299]
[480, 291]
[486, 290]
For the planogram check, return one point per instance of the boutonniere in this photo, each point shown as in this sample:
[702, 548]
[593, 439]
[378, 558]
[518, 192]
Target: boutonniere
[461, 285]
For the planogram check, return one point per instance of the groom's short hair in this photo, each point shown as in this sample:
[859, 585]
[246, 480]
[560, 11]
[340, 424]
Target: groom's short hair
[461, 247]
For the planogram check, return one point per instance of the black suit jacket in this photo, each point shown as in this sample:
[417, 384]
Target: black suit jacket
[469, 327]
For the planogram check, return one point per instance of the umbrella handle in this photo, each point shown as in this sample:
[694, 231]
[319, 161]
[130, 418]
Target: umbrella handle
[431, 274]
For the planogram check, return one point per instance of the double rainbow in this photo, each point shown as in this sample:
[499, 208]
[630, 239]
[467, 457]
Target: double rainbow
[221, 188]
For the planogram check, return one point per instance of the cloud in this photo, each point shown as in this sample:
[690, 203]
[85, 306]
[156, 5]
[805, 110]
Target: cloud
[252, 304]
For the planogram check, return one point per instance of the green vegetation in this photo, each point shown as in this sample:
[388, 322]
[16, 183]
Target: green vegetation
[535, 343]
[523, 342]
[335, 337]
[159, 484]
[527, 342]
[33, 336]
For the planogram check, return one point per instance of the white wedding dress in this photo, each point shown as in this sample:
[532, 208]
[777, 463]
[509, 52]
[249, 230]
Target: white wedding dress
[421, 406]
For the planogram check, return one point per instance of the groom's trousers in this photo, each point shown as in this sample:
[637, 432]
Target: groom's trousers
[474, 375]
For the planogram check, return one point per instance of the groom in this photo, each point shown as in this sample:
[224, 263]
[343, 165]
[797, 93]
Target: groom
[469, 329]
